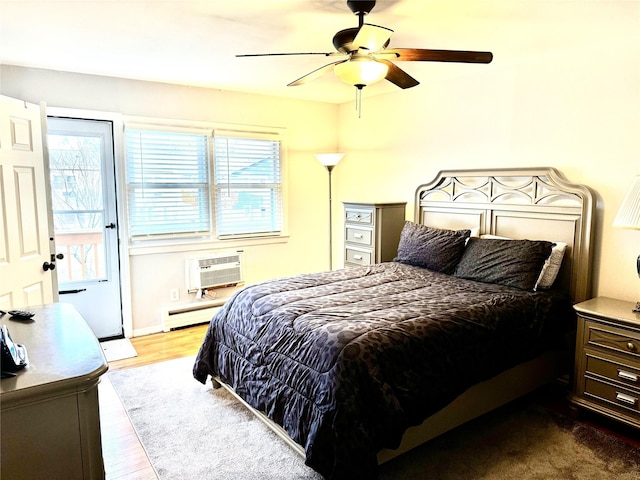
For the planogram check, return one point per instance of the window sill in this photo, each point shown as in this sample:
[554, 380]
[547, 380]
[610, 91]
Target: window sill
[173, 246]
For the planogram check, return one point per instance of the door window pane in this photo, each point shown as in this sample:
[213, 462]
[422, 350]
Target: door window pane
[78, 211]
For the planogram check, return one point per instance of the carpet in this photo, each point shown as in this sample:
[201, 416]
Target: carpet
[191, 431]
[118, 349]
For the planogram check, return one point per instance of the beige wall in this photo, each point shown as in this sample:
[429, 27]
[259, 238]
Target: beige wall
[577, 110]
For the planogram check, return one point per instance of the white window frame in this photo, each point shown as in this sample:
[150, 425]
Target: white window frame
[219, 183]
[156, 244]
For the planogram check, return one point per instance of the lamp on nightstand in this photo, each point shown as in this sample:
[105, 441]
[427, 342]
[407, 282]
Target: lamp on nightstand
[330, 160]
[629, 216]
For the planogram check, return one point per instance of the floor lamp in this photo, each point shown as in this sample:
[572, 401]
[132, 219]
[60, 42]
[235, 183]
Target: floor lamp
[629, 216]
[330, 160]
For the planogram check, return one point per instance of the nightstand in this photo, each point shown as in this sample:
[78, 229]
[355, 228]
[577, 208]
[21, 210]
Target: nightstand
[607, 364]
[372, 232]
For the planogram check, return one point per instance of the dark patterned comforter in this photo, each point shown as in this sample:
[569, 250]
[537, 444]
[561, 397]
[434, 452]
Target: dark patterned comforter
[346, 360]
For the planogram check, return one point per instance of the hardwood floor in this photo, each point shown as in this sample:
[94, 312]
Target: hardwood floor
[163, 346]
[124, 455]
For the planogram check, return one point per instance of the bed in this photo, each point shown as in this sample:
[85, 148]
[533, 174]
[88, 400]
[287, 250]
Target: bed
[355, 366]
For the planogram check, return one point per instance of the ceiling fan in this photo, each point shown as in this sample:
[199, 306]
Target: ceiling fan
[365, 59]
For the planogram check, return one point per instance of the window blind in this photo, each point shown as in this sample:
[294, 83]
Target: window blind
[248, 185]
[167, 182]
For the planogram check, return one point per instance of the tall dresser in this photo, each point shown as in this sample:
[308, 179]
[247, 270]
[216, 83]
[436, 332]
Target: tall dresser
[372, 232]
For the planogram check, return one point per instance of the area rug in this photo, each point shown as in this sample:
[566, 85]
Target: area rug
[118, 349]
[191, 431]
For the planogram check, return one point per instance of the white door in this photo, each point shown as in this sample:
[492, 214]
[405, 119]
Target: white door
[25, 241]
[83, 197]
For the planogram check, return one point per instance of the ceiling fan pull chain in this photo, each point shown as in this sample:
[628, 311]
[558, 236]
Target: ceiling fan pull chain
[359, 100]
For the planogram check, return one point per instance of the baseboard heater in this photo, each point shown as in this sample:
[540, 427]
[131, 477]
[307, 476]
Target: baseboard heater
[189, 314]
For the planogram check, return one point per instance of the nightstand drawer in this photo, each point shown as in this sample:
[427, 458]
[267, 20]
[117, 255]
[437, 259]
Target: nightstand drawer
[364, 217]
[357, 257]
[612, 339]
[613, 395]
[625, 374]
[359, 236]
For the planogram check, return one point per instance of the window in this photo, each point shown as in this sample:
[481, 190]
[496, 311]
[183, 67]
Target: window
[248, 184]
[168, 182]
[179, 177]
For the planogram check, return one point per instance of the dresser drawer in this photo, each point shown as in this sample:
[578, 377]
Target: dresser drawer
[624, 374]
[612, 395]
[613, 339]
[360, 236]
[357, 257]
[360, 216]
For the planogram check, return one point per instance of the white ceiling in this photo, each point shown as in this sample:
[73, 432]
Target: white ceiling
[194, 42]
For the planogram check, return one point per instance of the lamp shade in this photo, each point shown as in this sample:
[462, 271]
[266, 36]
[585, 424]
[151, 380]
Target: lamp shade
[361, 71]
[629, 214]
[329, 159]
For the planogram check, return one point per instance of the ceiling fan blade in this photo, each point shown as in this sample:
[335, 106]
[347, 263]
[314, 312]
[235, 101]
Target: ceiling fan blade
[329, 54]
[372, 37]
[426, 55]
[318, 72]
[398, 76]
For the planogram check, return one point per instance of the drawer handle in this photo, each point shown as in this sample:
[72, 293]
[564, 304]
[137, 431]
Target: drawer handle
[624, 398]
[358, 235]
[631, 347]
[357, 257]
[631, 377]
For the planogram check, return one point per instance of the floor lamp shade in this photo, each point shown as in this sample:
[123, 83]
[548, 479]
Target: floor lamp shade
[330, 160]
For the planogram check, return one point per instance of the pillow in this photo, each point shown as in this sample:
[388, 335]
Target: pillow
[437, 249]
[551, 266]
[514, 263]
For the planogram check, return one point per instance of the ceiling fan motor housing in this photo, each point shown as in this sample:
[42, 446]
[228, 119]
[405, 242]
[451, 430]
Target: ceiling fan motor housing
[361, 7]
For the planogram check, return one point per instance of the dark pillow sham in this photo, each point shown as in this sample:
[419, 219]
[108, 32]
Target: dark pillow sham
[437, 249]
[514, 263]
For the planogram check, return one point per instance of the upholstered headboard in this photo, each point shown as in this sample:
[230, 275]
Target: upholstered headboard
[519, 203]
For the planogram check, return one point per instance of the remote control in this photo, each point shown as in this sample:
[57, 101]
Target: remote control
[21, 314]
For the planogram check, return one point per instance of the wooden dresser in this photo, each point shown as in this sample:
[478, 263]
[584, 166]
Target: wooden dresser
[50, 420]
[607, 364]
[372, 232]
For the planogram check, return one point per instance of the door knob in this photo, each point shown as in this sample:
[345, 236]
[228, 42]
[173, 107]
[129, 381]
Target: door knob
[48, 266]
[52, 264]
[111, 225]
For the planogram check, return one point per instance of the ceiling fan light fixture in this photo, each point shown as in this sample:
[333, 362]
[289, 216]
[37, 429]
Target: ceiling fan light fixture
[361, 71]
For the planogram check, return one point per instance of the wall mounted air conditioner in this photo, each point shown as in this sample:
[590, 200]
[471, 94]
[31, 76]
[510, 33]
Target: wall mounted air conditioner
[211, 271]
